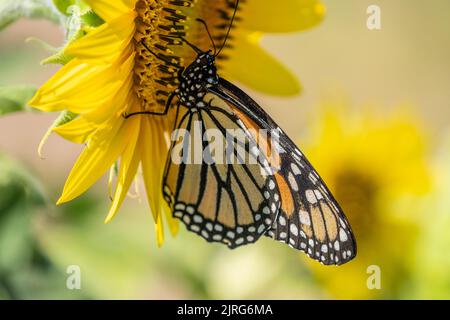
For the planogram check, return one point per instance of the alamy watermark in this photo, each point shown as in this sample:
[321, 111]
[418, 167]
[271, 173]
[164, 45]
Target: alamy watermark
[73, 281]
[231, 146]
[374, 280]
[374, 19]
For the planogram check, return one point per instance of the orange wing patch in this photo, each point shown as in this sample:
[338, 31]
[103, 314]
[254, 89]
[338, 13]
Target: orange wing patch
[260, 137]
[287, 202]
[330, 221]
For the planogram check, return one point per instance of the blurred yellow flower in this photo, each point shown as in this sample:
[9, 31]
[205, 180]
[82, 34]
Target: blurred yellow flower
[376, 166]
[247, 57]
[112, 73]
[432, 262]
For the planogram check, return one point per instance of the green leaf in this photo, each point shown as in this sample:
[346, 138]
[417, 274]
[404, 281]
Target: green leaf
[12, 10]
[63, 118]
[16, 183]
[92, 19]
[15, 237]
[15, 98]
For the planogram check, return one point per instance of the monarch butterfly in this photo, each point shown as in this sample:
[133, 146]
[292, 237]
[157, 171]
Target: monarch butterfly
[236, 203]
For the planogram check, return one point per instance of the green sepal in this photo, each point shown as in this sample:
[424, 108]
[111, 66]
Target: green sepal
[15, 98]
[13, 10]
[64, 117]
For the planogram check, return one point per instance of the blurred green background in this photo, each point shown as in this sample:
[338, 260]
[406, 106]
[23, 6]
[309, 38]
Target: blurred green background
[374, 118]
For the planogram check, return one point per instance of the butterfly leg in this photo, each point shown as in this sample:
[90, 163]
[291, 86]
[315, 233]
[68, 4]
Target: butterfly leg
[166, 109]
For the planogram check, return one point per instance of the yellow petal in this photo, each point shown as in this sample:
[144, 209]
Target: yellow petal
[130, 3]
[128, 167]
[106, 41]
[174, 224]
[249, 64]
[159, 230]
[118, 99]
[77, 131]
[73, 84]
[109, 9]
[84, 88]
[154, 150]
[281, 15]
[103, 149]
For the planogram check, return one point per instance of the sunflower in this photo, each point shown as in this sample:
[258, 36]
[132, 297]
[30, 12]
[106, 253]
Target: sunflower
[376, 167]
[111, 73]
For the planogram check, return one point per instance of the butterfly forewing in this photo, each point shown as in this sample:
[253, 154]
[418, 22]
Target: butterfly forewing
[218, 189]
[314, 223]
[309, 218]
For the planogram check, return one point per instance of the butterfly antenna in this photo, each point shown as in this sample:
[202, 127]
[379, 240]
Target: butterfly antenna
[209, 34]
[193, 46]
[229, 28]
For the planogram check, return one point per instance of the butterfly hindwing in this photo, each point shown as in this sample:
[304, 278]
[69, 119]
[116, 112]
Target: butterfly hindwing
[309, 218]
[231, 203]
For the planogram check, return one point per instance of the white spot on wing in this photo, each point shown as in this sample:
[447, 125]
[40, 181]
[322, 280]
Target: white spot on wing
[190, 210]
[180, 206]
[178, 214]
[304, 218]
[187, 219]
[295, 169]
[310, 196]
[294, 230]
[274, 207]
[292, 182]
[261, 228]
[336, 245]
[271, 185]
[342, 235]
